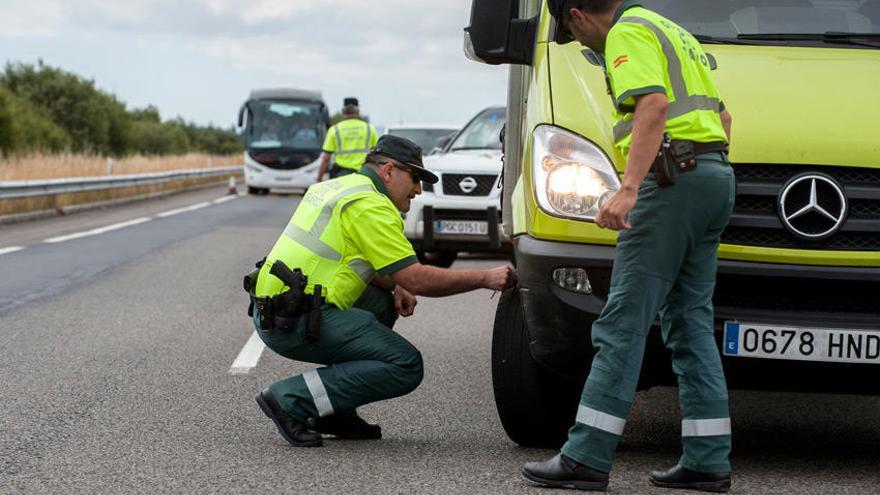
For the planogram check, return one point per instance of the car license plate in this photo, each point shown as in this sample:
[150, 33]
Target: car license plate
[756, 340]
[461, 227]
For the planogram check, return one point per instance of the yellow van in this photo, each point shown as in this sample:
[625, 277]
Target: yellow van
[797, 304]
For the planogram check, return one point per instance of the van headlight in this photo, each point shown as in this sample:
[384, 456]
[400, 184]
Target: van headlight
[573, 177]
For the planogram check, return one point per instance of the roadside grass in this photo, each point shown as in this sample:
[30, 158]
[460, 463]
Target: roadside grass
[65, 166]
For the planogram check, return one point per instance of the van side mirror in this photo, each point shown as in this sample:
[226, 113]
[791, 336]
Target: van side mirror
[497, 35]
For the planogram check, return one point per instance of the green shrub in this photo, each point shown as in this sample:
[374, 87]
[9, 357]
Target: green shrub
[44, 108]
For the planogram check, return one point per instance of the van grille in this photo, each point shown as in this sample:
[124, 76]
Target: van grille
[755, 220]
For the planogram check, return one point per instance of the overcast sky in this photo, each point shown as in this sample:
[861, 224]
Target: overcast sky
[200, 58]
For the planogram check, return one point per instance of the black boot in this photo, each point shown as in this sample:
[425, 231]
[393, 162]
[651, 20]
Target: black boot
[564, 472]
[295, 432]
[347, 425]
[680, 477]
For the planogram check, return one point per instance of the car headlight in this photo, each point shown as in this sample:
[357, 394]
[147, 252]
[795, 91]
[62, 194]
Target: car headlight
[573, 177]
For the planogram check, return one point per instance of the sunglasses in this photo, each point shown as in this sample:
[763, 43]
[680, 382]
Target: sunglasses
[412, 175]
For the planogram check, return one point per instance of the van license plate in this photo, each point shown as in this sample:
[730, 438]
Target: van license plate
[461, 227]
[756, 340]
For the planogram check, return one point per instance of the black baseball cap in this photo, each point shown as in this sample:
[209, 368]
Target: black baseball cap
[407, 153]
[557, 9]
[350, 105]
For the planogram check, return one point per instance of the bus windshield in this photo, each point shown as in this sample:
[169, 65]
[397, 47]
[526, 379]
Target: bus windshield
[755, 19]
[286, 124]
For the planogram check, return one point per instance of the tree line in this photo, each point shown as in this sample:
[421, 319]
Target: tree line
[46, 109]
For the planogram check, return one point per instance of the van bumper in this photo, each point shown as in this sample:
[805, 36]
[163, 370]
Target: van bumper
[559, 321]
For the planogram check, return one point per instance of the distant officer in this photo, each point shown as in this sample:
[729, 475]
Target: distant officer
[348, 142]
[665, 262]
[347, 237]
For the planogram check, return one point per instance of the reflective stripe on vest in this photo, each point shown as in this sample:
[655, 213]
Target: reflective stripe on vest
[312, 239]
[314, 242]
[365, 149]
[683, 103]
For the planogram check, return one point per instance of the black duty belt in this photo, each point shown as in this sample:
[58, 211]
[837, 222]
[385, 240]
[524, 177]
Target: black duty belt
[714, 147]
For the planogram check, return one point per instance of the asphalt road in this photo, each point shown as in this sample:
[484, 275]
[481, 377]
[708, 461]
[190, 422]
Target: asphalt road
[115, 358]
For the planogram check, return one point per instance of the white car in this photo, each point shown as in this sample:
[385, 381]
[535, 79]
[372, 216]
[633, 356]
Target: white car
[462, 212]
[427, 136]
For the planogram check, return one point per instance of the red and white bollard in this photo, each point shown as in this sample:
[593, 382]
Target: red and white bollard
[232, 188]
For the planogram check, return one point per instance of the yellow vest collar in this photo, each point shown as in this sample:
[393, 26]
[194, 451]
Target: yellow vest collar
[626, 5]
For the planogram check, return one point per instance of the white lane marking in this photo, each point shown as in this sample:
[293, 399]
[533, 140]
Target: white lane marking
[249, 356]
[12, 249]
[97, 231]
[178, 211]
[224, 199]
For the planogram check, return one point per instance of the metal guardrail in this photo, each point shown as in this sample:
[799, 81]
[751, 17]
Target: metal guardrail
[31, 188]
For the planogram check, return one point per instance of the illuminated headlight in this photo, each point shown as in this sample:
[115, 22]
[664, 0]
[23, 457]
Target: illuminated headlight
[573, 177]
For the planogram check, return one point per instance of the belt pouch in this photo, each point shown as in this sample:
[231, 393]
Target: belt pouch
[684, 155]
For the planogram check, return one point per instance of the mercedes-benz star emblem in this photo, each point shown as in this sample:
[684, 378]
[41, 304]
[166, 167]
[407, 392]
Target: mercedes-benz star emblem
[468, 185]
[813, 206]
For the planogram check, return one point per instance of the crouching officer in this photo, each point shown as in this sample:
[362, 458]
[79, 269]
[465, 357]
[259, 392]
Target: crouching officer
[332, 287]
[670, 221]
[348, 142]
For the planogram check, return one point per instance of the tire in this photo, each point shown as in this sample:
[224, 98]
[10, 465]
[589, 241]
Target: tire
[536, 406]
[257, 191]
[443, 259]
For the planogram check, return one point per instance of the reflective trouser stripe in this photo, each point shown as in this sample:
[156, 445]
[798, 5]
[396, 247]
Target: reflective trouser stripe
[319, 393]
[705, 427]
[599, 420]
[684, 103]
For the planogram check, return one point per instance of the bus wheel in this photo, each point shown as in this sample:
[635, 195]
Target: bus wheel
[536, 406]
[257, 191]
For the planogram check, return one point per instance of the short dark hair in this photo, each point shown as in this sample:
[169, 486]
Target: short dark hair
[592, 6]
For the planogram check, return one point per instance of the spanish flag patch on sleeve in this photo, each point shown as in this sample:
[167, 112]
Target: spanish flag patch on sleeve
[620, 61]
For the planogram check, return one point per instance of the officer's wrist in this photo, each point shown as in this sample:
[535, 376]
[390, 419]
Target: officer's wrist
[629, 188]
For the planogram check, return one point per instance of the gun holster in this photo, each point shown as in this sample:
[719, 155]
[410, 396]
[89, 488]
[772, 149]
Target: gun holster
[663, 166]
[283, 311]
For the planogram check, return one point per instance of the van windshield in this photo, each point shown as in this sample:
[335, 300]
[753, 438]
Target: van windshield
[482, 133]
[286, 124]
[754, 19]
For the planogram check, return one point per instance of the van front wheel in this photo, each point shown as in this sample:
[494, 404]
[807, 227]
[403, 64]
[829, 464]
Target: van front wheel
[536, 406]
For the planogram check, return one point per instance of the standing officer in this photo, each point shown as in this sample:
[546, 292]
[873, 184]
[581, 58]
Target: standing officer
[665, 262]
[347, 237]
[348, 141]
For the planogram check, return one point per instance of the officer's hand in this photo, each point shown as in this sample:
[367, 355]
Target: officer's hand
[320, 177]
[614, 214]
[501, 278]
[404, 302]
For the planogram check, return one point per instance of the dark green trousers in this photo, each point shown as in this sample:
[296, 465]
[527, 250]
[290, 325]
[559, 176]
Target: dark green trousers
[365, 361]
[665, 264]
